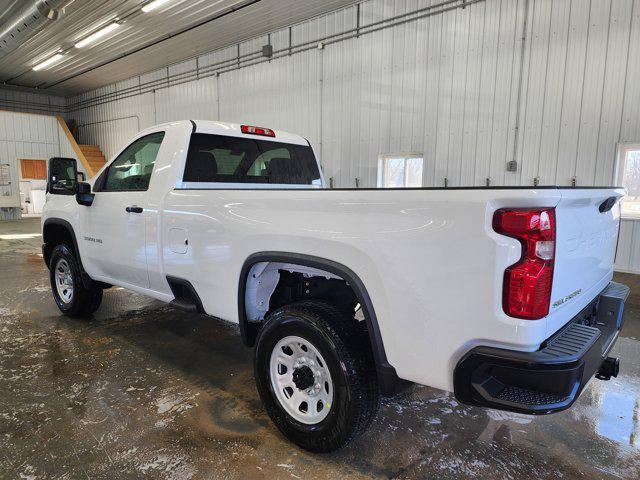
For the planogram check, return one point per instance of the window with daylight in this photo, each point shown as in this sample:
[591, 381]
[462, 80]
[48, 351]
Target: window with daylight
[628, 176]
[131, 170]
[402, 170]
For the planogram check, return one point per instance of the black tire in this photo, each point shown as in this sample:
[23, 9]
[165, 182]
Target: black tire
[83, 301]
[344, 344]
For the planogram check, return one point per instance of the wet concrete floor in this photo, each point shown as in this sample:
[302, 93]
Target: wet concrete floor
[144, 391]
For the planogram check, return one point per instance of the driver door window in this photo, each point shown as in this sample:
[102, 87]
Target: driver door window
[118, 253]
[131, 170]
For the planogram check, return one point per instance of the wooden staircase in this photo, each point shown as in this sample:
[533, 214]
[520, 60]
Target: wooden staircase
[94, 156]
[90, 156]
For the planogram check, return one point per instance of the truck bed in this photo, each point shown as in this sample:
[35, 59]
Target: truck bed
[433, 264]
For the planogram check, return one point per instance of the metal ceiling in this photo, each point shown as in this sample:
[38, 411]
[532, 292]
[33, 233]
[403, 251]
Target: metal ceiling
[6, 8]
[178, 30]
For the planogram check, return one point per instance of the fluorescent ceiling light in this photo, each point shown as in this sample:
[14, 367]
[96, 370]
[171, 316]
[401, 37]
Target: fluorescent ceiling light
[97, 35]
[48, 62]
[153, 5]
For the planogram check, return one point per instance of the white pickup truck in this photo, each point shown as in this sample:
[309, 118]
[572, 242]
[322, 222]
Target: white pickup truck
[501, 295]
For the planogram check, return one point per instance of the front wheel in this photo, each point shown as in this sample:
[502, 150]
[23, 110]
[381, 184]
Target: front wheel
[71, 296]
[315, 374]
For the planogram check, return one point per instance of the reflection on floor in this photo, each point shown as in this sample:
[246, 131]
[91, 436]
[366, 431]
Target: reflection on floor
[144, 390]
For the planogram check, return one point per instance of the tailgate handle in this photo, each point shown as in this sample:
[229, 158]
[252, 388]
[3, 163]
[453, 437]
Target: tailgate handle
[134, 209]
[607, 204]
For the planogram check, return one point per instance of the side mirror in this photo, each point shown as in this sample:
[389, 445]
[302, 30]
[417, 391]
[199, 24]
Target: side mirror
[84, 195]
[63, 176]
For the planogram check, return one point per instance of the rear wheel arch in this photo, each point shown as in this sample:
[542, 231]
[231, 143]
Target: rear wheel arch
[387, 377]
[315, 374]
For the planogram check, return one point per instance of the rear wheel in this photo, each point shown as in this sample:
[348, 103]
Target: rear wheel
[315, 373]
[71, 296]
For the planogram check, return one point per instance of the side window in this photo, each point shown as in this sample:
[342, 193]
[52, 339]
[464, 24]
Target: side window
[628, 170]
[131, 170]
[400, 170]
[227, 159]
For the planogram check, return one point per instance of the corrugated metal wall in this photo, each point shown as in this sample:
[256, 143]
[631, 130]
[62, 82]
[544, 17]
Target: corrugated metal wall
[628, 257]
[30, 136]
[18, 101]
[461, 87]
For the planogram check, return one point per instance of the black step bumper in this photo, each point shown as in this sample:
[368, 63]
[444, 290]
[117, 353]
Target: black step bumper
[552, 378]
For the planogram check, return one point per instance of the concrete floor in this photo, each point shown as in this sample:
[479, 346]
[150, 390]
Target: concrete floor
[146, 391]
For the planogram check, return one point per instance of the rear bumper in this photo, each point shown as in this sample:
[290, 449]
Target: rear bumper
[552, 378]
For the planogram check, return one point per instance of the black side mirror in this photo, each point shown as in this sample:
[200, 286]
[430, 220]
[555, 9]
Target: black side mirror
[84, 195]
[63, 176]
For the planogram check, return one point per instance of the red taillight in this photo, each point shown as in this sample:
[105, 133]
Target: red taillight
[265, 132]
[526, 292]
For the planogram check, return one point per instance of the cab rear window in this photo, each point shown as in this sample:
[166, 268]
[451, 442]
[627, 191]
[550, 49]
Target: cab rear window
[221, 159]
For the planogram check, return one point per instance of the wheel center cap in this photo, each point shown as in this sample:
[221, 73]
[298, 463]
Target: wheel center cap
[303, 377]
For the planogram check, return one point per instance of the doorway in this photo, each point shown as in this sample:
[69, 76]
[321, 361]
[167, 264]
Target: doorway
[33, 185]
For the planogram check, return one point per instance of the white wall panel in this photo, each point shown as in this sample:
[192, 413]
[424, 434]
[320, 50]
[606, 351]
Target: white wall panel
[534, 94]
[551, 83]
[27, 136]
[553, 93]
[613, 90]
[470, 77]
[572, 97]
[590, 114]
[110, 125]
[31, 102]
[195, 100]
[630, 126]
[628, 257]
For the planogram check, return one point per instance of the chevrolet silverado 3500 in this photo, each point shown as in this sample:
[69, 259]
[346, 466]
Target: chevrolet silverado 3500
[503, 296]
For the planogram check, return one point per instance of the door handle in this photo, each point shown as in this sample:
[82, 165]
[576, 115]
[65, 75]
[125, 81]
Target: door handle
[134, 209]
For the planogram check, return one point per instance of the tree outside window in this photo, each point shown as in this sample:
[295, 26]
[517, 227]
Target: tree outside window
[628, 176]
[402, 170]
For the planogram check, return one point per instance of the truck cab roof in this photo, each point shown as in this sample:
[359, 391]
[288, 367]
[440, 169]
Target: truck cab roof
[231, 129]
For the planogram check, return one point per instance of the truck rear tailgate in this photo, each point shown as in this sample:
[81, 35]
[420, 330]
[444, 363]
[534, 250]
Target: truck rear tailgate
[587, 224]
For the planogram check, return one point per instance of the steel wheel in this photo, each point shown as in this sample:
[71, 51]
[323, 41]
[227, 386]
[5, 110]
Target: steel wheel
[301, 380]
[64, 280]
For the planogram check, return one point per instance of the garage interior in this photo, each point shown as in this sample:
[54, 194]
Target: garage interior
[391, 93]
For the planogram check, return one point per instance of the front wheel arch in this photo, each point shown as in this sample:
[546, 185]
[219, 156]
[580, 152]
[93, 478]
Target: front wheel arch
[81, 301]
[56, 231]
